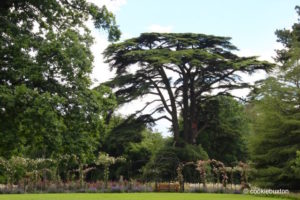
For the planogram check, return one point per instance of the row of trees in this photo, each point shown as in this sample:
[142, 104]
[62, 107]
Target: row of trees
[48, 108]
[187, 76]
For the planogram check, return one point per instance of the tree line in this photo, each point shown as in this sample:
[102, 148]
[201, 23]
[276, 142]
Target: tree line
[48, 108]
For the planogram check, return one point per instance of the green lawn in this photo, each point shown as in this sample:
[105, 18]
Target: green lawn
[131, 196]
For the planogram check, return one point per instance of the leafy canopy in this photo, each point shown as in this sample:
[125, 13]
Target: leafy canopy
[46, 106]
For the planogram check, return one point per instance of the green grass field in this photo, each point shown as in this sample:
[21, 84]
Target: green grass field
[132, 196]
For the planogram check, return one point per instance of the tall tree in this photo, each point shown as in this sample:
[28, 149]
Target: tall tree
[276, 137]
[182, 70]
[45, 62]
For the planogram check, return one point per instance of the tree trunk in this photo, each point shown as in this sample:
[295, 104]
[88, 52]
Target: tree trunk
[176, 131]
[173, 105]
[194, 132]
[185, 112]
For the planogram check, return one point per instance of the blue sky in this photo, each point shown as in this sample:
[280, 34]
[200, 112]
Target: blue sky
[250, 23]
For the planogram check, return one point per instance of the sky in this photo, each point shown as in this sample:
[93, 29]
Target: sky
[250, 23]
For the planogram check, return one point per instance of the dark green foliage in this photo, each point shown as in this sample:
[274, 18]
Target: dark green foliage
[276, 139]
[163, 165]
[290, 40]
[226, 129]
[276, 136]
[130, 139]
[121, 134]
[139, 154]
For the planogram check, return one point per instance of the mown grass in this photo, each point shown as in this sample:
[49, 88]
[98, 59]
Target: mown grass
[132, 196]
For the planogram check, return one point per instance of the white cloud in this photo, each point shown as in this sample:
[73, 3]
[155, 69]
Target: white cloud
[159, 28]
[112, 5]
[250, 79]
[263, 54]
[101, 72]
[126, 36]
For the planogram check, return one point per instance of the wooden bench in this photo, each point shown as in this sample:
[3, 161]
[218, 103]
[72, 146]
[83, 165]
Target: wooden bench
[168, 187]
